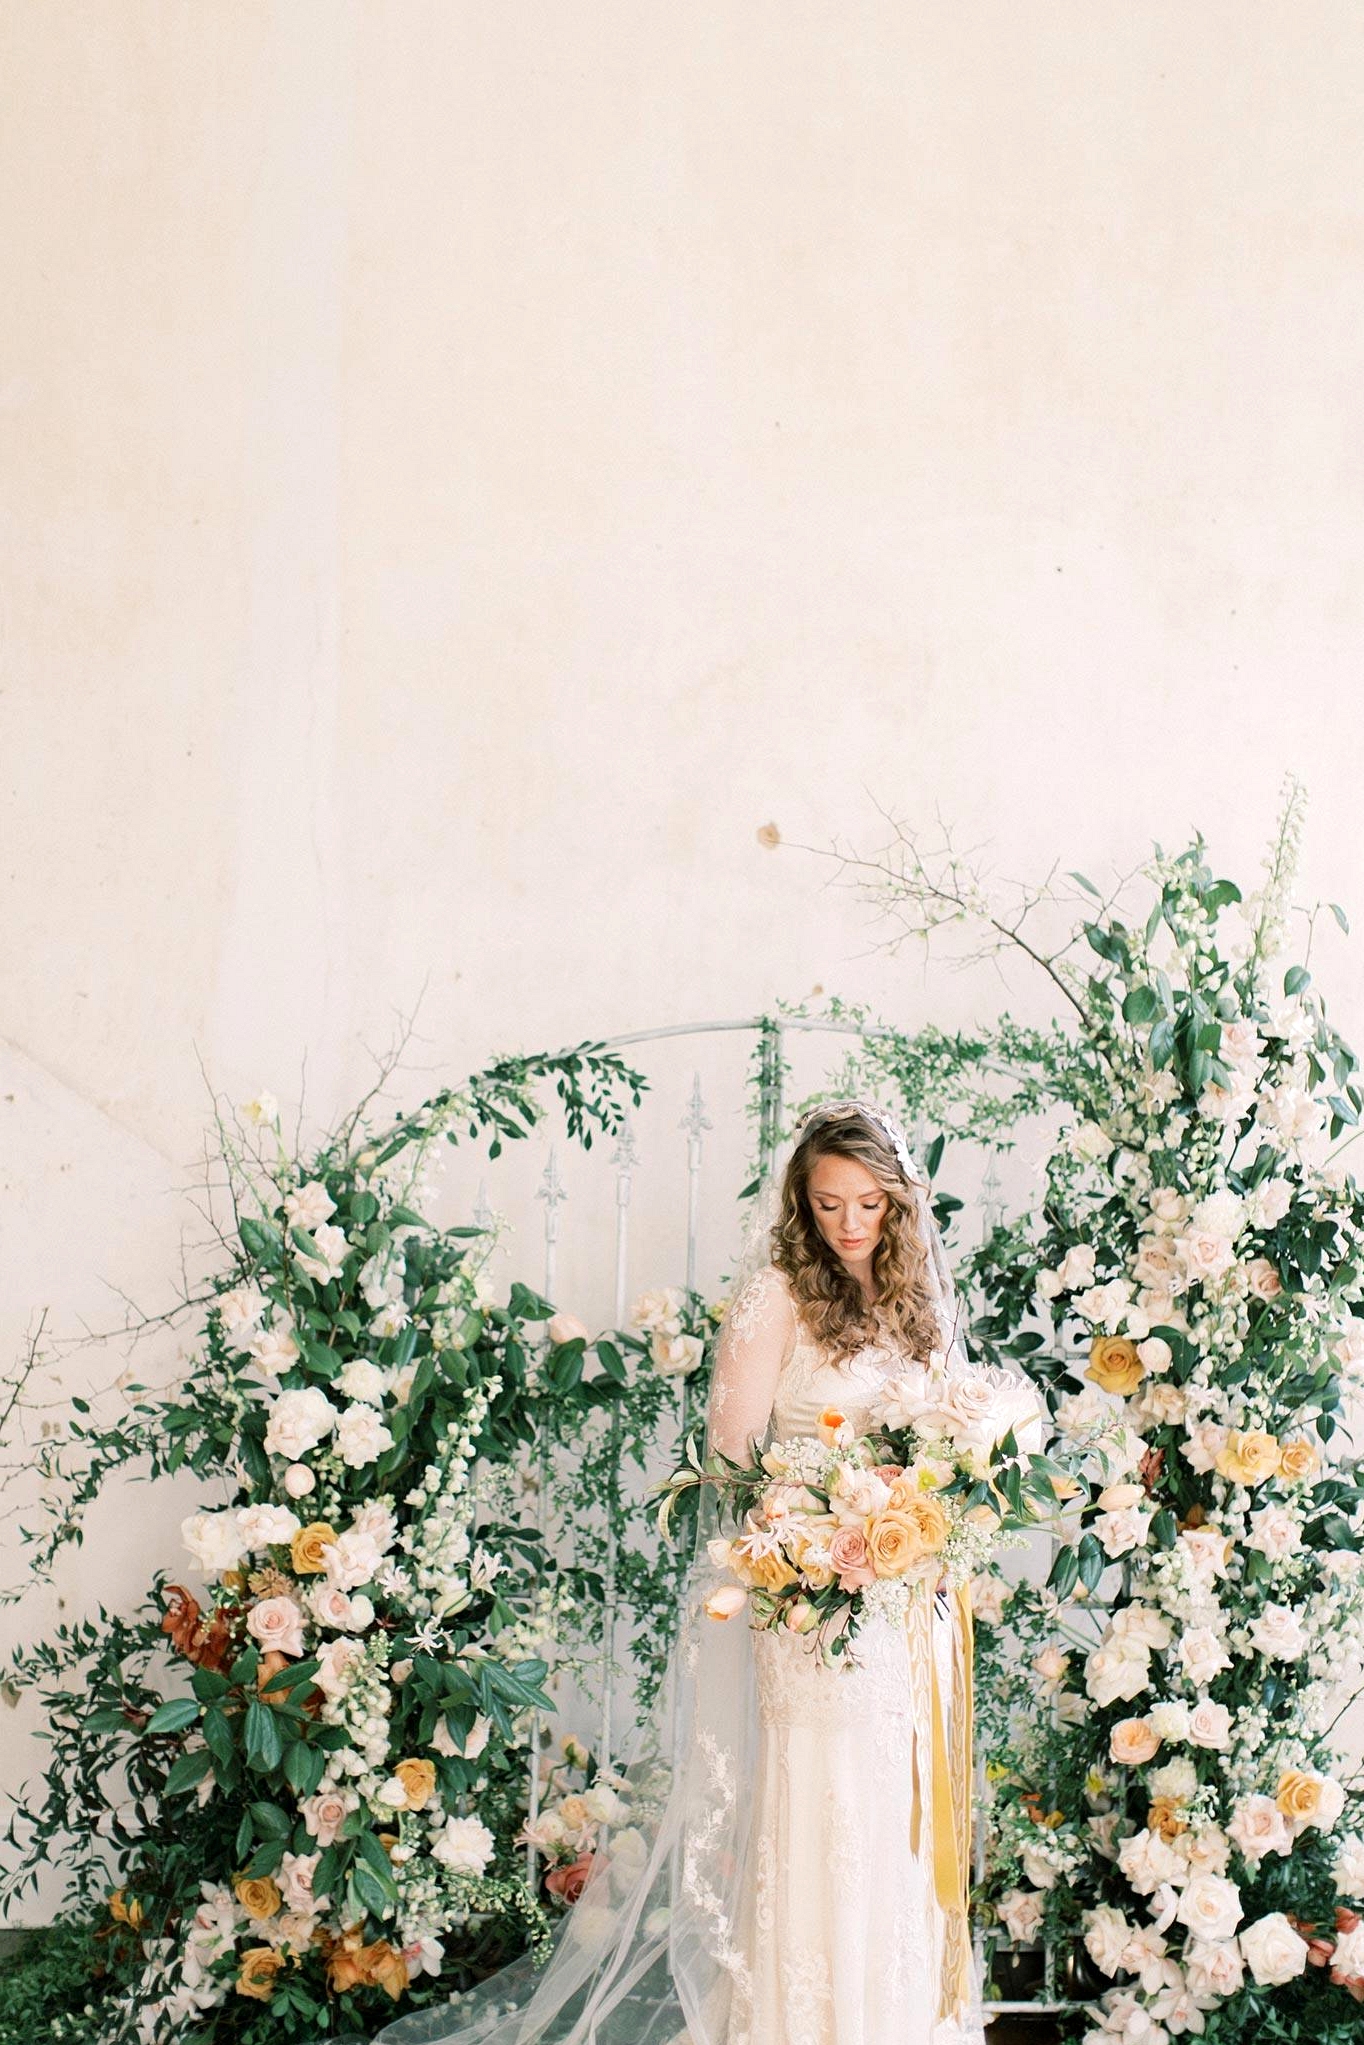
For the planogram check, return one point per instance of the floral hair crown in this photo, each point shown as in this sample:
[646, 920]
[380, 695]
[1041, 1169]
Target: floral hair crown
[843, 1110]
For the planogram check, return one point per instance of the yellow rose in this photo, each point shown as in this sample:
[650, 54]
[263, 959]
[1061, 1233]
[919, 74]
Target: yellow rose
[771, 1572]
[307, 1548]
[1298, 1795]
[260, 1964]
[1298, 1461]
[1249, 1457]
[258, 1896]
[418, 1778]
[1114, 1365]
[897, 1540]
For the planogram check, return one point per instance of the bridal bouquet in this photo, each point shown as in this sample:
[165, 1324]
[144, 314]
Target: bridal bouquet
[833, 1527]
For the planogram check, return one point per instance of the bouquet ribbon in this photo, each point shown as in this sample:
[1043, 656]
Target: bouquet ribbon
[950, 1821]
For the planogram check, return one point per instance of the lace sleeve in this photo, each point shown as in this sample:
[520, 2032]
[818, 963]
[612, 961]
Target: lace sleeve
[756, 1338]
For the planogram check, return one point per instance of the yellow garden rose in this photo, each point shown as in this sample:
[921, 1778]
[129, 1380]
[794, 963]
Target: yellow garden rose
[260, 1964]
[418, 1778]
[1114, 1365]
[258, 1896]
[308, 1545]
[1164, 1818]
[1298, 1795]
[897, 1540]
[1298, 1461]
[1249, 1457]
[771, 1572]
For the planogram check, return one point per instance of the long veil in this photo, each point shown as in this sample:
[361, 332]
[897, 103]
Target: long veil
[649, 1954]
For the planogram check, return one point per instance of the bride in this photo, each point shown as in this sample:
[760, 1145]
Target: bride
[793, 1864]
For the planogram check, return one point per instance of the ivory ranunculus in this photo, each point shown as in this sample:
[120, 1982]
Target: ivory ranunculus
[1273, 1951]
[1114, 1365]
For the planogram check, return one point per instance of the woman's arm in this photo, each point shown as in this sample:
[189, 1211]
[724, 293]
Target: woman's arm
[756, 1338]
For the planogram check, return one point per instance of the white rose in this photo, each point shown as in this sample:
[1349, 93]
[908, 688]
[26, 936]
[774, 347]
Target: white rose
[1348, 1957]
[333, 1249]
[676, 1355]
[1080, 1412]
[1089, 1142]
[1203, 1256]
[1168, 1205]
[361, 1437]
[1122, 1669]
[273, 1350]
[1036, 1869]
[1119, 1532]
[1273, 1950]
[1210, 1725]
[1213, 1970]
[362, 1379]
[1204, 1445]
[1107, 1933]
[659, 1312]
[265, 1526]
[331, 1606]
[1076, 1269]
[1210, 1906]
[299, 1480]
[392, 1794]
[1270, 1202]
[241, 1309]
[465, 1845]
[1142, 1622]
[298, 1422]
[1259, 1827]
[1278, 1632]
[1147, 1861]
[1020, 1912]
[351, 1559]
[1203, 1655]
[1349, 1867]
[1156, 1353]
[603, 1804]
[309, 1205]
[214, 1540]
[1275, 1532]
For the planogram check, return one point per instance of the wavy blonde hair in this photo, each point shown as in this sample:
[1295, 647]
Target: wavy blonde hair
[830, 1300]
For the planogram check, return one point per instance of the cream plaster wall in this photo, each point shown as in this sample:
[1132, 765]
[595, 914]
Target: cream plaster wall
[466, 468]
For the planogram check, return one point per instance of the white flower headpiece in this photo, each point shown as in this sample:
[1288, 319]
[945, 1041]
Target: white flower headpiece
[839, 1111]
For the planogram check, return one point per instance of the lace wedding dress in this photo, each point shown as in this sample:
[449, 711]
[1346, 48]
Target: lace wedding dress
[842, 1928]
[794, 1847]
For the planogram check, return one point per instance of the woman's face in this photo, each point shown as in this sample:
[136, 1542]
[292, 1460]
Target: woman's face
[849, 1209]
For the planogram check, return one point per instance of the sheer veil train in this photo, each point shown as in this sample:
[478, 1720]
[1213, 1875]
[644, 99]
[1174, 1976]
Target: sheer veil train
[649, 1953]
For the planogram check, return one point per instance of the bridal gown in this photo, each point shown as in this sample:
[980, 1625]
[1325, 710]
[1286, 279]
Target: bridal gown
[797, 1832]
[842, 1930]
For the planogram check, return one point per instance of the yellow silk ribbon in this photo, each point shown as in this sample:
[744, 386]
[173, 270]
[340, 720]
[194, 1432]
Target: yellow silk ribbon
[951, 1815]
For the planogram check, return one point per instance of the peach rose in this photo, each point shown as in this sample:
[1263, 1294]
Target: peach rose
[1249, 1456]
[308, 1548]
[259, 1966]
[277, 1623]
[1114, 1365]
[1264, 1279]
[1133, 1741]
[418, 1778]
[849, 1556]
[258, 1896]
